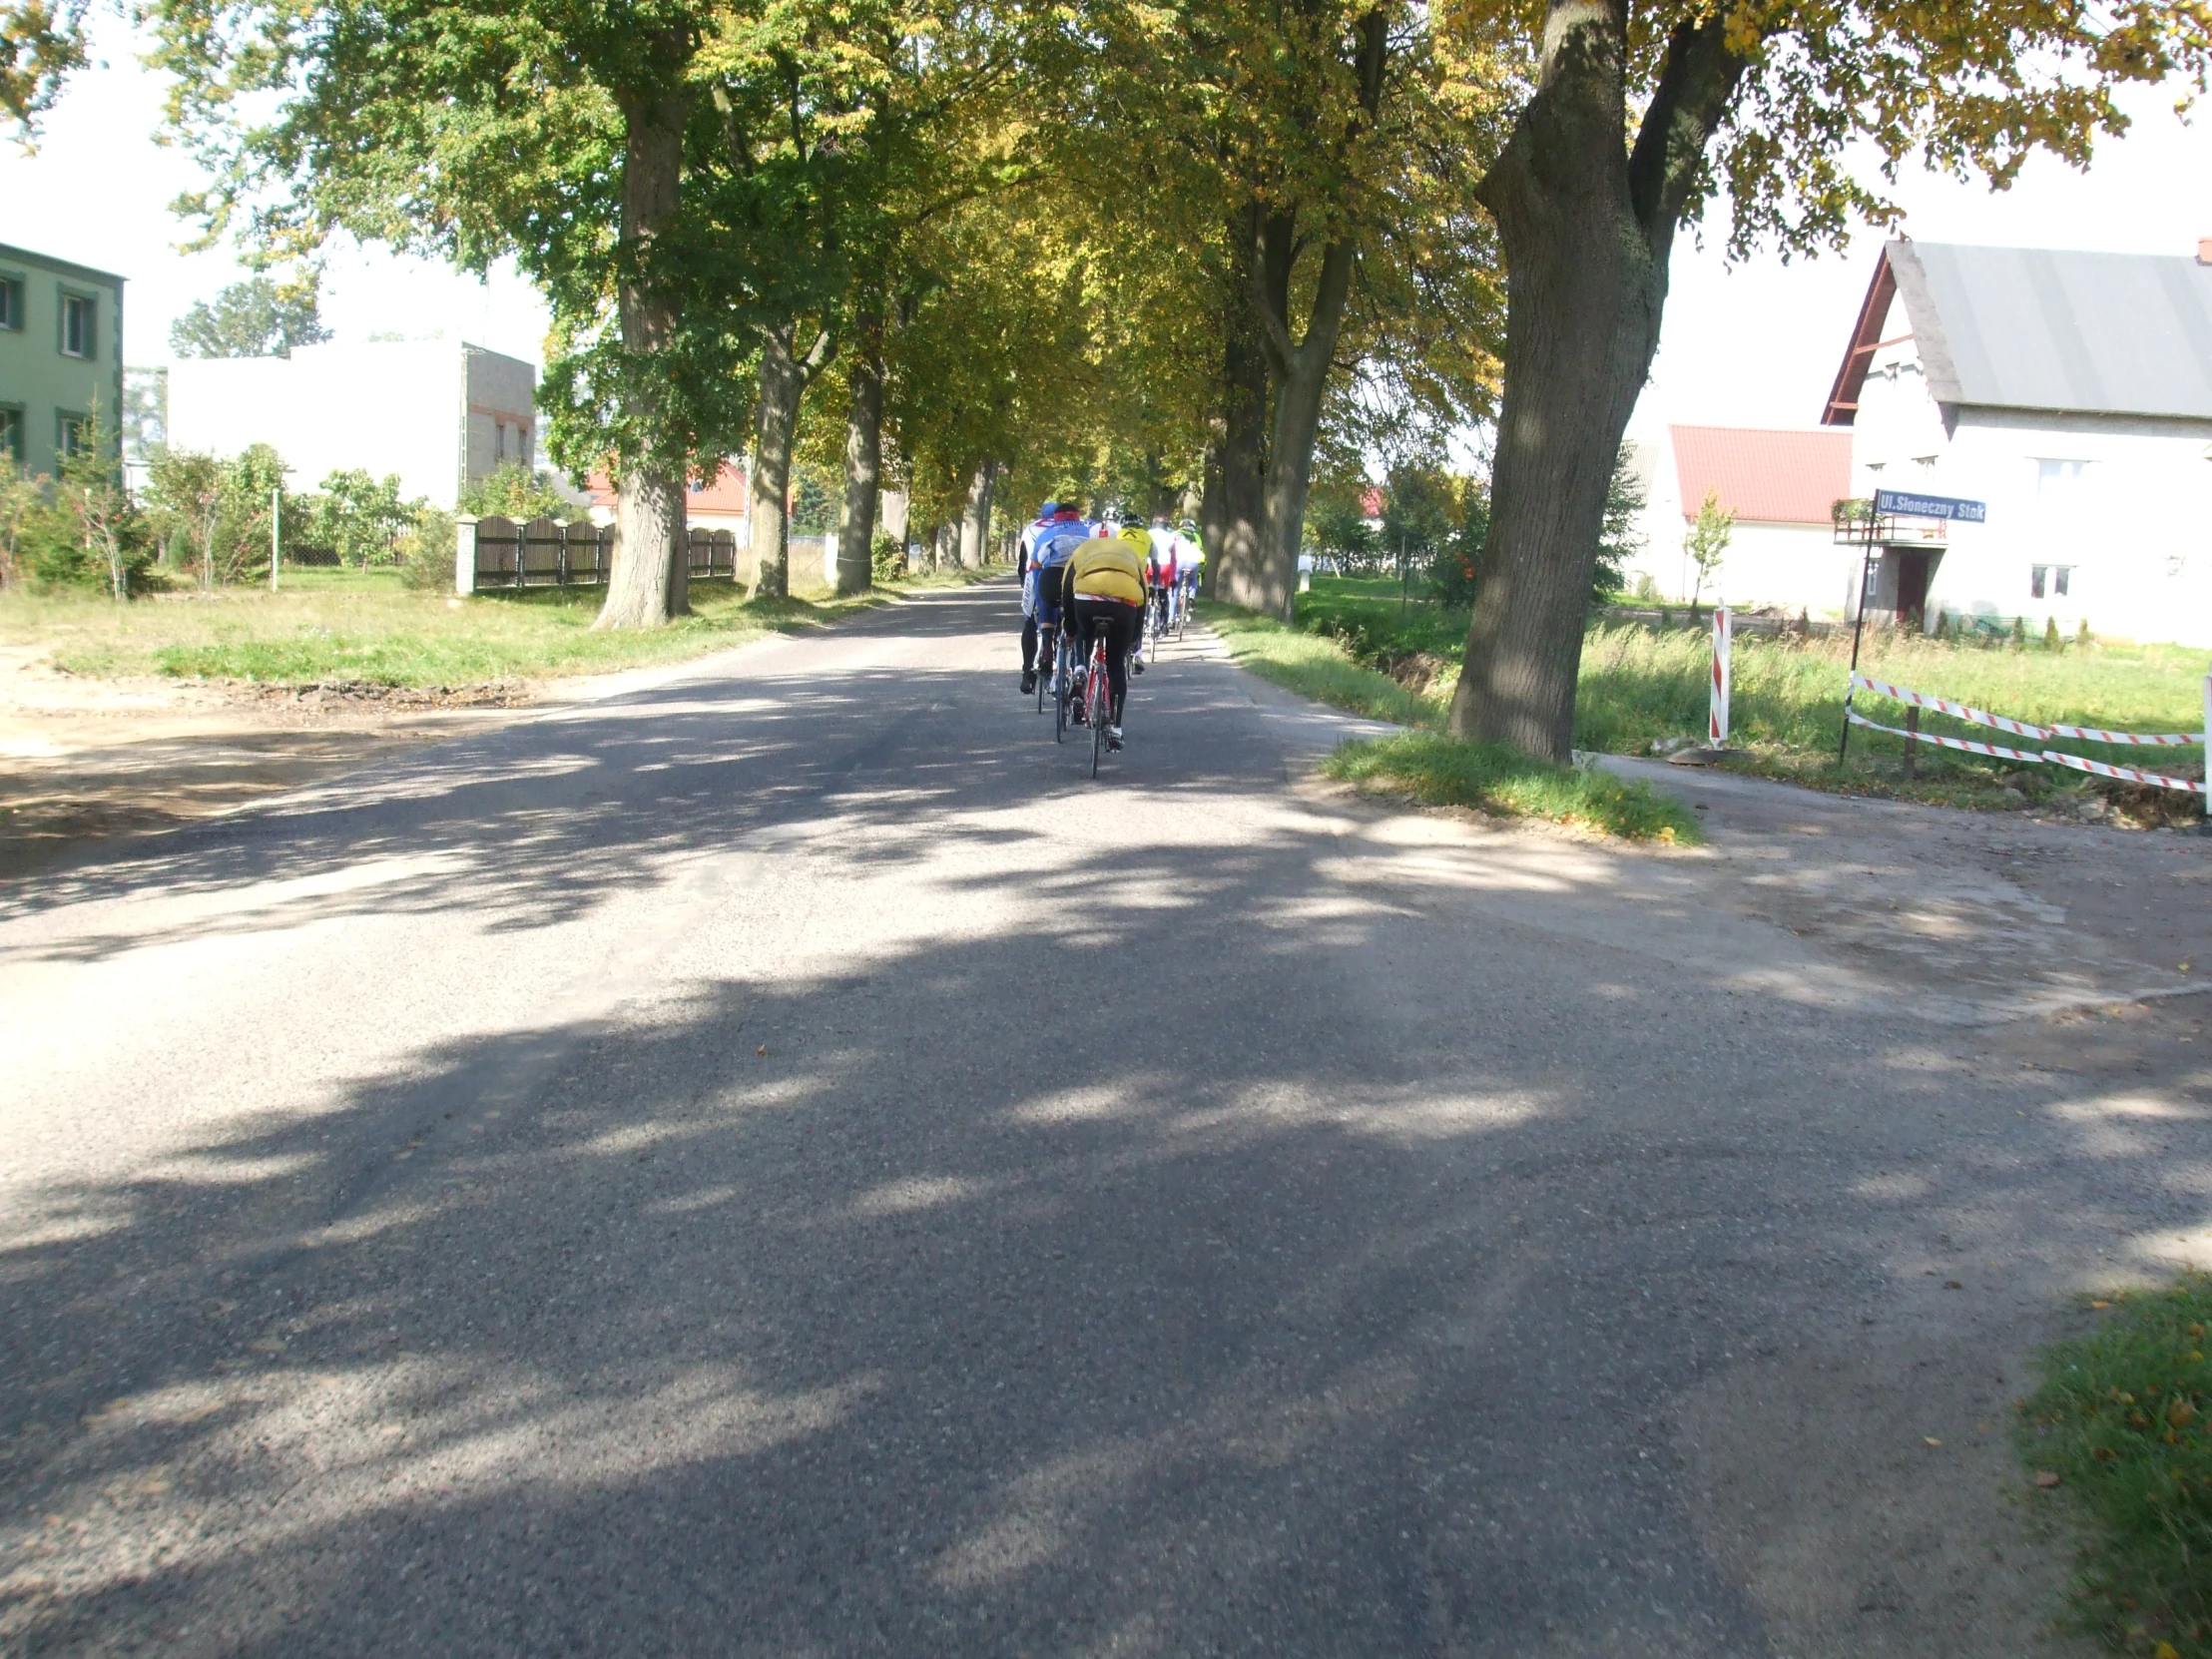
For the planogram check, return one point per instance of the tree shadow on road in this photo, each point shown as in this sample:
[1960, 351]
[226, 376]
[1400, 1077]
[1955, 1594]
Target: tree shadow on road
[998, 1307]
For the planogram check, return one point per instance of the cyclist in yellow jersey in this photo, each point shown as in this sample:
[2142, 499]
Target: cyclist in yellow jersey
[1103, 593]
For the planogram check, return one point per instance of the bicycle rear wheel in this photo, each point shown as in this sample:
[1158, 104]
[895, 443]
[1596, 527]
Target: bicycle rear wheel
[1100, 701]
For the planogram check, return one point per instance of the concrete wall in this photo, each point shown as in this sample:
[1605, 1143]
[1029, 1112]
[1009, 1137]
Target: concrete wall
[429, 410]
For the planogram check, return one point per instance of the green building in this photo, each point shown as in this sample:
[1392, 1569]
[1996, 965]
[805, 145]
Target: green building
[60, 356]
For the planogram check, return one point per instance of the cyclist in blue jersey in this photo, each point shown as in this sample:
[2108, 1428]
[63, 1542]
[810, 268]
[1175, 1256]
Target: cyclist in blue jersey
[1055, 544]
[1024, 567]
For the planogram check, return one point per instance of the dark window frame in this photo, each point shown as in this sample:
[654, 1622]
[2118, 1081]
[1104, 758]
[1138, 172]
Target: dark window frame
[11, 432]
[13, 290]
[64, 419]
[91, 353]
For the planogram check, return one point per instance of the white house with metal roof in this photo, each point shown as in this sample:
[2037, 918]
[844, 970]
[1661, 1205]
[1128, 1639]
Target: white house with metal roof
[2071, 392]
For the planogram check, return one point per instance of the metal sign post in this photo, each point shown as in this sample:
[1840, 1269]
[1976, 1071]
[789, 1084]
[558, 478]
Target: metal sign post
[1858, 627]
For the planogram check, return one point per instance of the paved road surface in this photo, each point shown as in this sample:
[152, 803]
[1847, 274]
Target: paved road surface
[778, 1162]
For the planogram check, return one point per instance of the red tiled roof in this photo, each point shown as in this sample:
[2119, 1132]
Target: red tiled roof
[725, 494]
[1764, 477]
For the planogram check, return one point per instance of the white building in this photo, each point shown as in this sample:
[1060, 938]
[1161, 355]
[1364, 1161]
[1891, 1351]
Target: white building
[2072, 393]
[1781, 485]
[436, 412]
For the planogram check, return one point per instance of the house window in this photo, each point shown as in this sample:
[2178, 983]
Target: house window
[80, 333]
[2050, 581]
[70, 432]
[11, 433]
[500, 441]
[522, 443]
[2058, 483]
[11, 303]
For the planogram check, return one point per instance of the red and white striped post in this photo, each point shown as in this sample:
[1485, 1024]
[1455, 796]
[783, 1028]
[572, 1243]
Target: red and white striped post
[1716, 725]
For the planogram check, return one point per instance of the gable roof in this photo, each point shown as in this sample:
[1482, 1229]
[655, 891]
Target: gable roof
[1767, 477]
[2036, 329]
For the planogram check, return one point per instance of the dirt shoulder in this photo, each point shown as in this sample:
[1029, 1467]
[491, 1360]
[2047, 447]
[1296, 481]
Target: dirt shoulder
[83, 758]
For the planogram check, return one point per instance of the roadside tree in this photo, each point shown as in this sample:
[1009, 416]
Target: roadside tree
[1635, 114]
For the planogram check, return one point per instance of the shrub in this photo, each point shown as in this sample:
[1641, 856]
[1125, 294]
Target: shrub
[2051, 640]
[888, 558]
[512, 490]
[425, 549]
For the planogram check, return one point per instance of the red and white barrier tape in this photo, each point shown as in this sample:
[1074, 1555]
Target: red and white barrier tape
[2083, 764]
[1968, 744]
[2050, 756]
[2020, 728]
[2164, 739]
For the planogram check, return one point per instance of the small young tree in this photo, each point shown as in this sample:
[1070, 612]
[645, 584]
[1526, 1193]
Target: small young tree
[360, 517]
[185, 498]
[1706, 544]
[1623, 538]
[92, 489]
[20, 501]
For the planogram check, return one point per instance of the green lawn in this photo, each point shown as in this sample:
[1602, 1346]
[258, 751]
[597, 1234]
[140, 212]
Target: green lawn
[2120, 1423]
[332, 625]
[1640, 685]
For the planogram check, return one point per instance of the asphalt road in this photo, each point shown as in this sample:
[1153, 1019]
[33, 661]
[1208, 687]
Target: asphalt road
[779, 1162]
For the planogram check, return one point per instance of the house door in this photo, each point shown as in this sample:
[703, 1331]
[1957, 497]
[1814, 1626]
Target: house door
[1911, 583]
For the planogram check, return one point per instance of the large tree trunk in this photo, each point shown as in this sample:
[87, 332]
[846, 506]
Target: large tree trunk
[1301, 371]
[975, 521]
[775, 419]
[1209, 513]
[1233, 543]
[1586, 227]
[648, 492]
[864, 466]
[785, 377]
[678, 567]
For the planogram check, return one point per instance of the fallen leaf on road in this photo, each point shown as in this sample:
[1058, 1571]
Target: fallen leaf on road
[1953, 1284]
[2100, 1304]
[763, 1050]
[2046, 1478]
[1932, 1440]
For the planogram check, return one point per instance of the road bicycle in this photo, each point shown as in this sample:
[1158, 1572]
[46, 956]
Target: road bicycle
[1156, 616]
[1098, 698]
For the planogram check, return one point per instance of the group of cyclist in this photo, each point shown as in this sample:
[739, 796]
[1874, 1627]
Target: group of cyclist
[1094, 579]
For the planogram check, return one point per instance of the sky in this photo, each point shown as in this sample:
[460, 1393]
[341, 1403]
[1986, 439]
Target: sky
[1755, 345]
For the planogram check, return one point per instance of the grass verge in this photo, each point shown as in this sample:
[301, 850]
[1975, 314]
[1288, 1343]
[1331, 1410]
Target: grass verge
[1373, 654]
[1318, 667]
[2121, 1419]
[1426, 765]
[366, 626]
[1443, 772]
